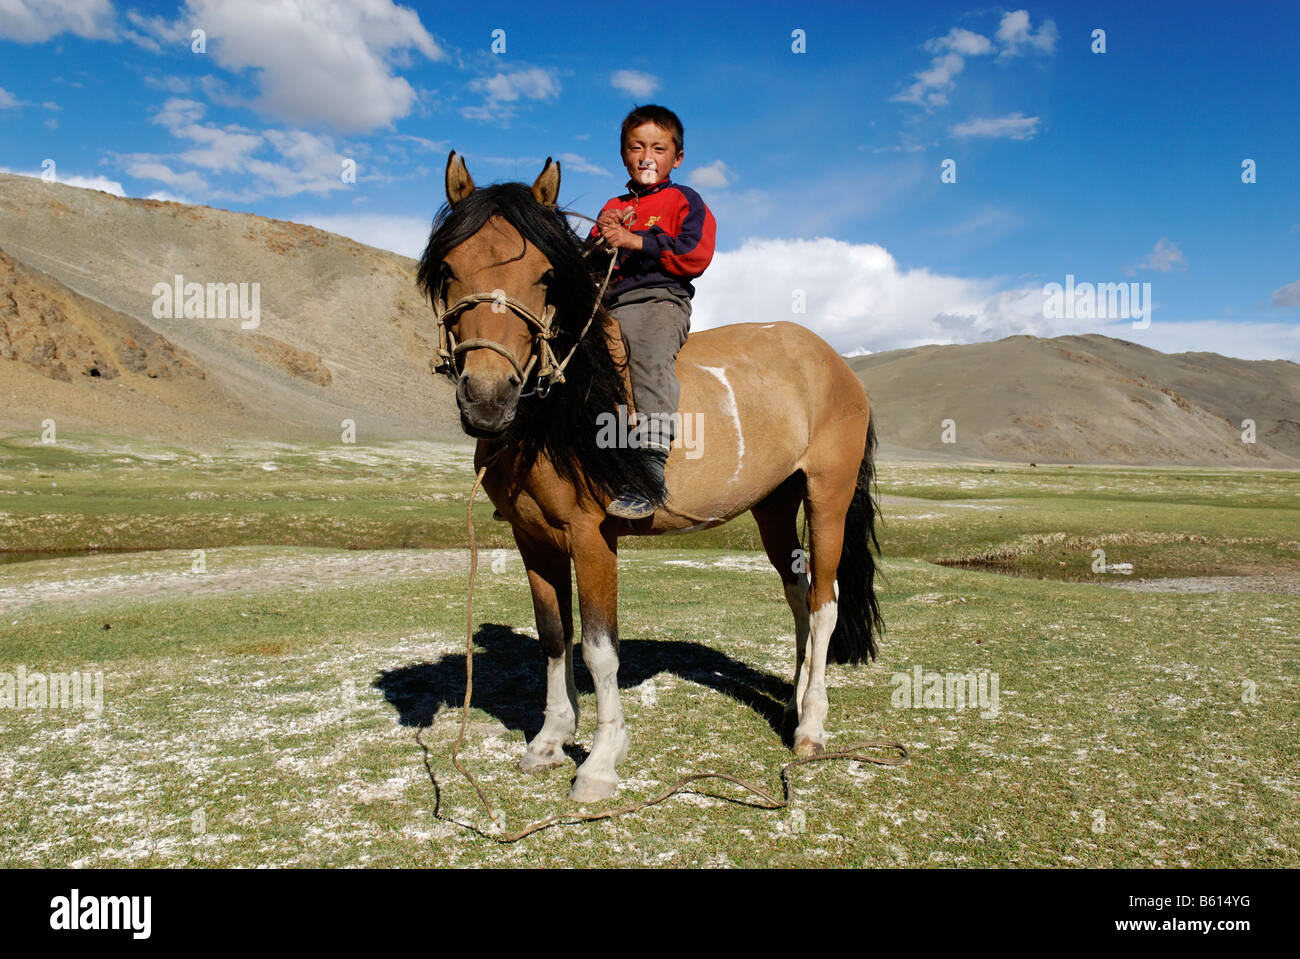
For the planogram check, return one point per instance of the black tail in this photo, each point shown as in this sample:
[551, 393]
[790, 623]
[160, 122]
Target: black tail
[859, 621]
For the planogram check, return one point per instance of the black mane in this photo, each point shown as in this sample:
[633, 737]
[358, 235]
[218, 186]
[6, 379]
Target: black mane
[561, 426]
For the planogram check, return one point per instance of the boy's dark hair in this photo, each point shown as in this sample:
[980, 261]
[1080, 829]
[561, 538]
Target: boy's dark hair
[660, 117]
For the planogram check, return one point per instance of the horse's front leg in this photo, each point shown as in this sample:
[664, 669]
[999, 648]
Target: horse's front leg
[595, 558]
[548, 576]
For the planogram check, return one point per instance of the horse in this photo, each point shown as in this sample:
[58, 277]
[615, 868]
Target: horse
[789, 424]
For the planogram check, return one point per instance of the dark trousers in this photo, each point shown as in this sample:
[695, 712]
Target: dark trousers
[654, 322]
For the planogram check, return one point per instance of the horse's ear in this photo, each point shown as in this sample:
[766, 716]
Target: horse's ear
[546, 188]
[459, 182]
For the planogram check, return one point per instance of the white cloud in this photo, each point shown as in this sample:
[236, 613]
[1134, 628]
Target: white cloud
[1014, 126]
[534, 84]
[635, 82]
[433, 146]
[858, 298]
[307, 162]
[503, 90]
[961, 41]
[577, 163]
[169, 84]
[714, 176]
[318, 61]
[1246, 340]
[148, 169]
[94, 183]
[932, 86]
[7, 100]
[153, 33]
[1288, 295]
[1015, 34]
[406, 235]
[1166, 256]
[168, 197]
[177, 112]
[86, 183]
[220, 149]
[35, 21]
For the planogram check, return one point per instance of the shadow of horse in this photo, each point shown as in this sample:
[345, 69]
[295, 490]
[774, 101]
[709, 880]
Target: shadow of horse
[509, 682]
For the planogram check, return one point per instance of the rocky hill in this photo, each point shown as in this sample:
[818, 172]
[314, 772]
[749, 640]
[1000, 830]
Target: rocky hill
[341, 332]
[102, 328]
[1083, 399]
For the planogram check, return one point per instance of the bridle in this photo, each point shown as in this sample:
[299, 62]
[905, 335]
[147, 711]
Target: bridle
[449, 350]
[550, 373]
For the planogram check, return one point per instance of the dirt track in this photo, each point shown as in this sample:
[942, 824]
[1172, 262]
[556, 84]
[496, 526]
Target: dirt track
[167, 573]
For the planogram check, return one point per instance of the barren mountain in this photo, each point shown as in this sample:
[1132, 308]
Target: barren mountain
[108, 321]
[341, 332]
[70, 359]
[1083, 399]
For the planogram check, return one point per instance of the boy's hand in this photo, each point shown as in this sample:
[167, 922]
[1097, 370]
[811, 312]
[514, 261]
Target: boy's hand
[618, 237]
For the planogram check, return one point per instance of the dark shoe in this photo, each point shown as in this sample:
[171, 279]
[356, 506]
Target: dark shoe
[632, 505]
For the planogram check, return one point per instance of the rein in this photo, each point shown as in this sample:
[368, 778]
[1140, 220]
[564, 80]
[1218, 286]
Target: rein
[498, 833]
[550, 373]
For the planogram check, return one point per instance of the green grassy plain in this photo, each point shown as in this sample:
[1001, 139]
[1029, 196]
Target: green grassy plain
[294, 703]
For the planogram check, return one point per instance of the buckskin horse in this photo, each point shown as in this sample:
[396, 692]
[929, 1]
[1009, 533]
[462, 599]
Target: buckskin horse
[788, 424]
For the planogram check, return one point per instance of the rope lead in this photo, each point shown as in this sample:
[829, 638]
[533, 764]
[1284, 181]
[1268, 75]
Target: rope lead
[498, 833]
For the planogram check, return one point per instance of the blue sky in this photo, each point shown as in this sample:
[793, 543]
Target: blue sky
[823, 167]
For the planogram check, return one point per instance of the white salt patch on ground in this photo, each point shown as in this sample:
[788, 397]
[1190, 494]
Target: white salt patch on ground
[746, 563]
[228, 572]
[1268, 583]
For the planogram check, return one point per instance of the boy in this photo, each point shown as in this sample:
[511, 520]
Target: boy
[662, 234]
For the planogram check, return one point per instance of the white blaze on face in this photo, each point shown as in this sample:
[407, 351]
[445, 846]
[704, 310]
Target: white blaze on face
[648, 172]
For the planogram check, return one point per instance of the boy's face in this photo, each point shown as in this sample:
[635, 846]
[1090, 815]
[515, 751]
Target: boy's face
[650, 154]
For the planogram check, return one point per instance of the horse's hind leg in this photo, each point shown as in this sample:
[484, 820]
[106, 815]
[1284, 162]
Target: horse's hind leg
[776, 517]
[548, 576]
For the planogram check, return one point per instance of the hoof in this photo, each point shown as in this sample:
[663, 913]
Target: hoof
[808, 747]
[587, 789]
[544, 753]
[540, 762]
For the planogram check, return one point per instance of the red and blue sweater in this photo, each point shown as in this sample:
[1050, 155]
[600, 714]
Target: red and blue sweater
[677, 232]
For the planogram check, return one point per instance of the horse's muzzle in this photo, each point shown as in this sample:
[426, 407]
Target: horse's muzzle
[487, 404]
